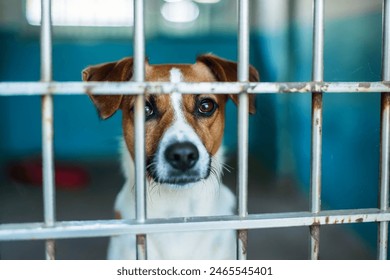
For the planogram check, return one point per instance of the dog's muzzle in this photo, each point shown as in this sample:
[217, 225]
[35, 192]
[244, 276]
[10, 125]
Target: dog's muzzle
[179, 163]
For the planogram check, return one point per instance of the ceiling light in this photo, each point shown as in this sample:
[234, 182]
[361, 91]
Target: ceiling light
[181, 11]
[207, 1]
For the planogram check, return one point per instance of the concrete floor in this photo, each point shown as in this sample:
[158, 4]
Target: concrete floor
[23, 203]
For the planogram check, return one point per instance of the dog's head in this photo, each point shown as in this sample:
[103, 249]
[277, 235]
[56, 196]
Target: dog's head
[183, 132]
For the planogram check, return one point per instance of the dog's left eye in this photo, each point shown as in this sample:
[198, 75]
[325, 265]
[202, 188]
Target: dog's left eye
[207, 106]
[148, 109]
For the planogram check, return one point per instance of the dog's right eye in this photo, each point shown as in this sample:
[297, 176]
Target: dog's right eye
[149, 110]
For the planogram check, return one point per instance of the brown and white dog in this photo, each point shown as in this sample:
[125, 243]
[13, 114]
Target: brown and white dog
[184, 156]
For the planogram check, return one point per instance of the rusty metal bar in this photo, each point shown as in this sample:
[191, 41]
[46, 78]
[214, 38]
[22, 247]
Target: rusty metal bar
[316, 134]
[383, 228]
[243, 124]
[133, 88]
[139, 124]
[79, 229]
[47, 126]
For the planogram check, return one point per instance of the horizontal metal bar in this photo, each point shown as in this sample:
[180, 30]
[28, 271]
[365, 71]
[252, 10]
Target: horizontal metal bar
[69, 88]
[99, 228]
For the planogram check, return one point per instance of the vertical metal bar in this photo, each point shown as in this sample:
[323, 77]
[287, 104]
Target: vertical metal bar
[243, 124]
[383, 229]
[139, 76]
[316, 149]
[47, 126]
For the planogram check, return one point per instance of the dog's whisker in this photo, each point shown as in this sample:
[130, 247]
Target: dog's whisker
[227, 168]
[224, 166]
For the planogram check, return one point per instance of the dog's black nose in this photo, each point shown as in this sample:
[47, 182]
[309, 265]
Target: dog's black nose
[182, 156]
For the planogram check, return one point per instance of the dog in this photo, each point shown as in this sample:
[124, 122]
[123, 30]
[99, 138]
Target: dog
[184, 156]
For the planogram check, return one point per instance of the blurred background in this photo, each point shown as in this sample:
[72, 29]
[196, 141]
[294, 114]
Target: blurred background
[86, 149]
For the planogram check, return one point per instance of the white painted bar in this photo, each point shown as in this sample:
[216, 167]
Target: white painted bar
[243, 124]
[47, 126]
[78, 229]
[383, 229]
[139, 124]
[132, 88]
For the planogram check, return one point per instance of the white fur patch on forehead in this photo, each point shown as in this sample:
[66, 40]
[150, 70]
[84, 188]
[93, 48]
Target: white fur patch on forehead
[180, 124]
[176, 98]
[175, 75]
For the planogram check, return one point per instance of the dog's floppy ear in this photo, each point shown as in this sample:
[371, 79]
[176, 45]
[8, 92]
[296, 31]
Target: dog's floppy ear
[117, 71]
[226, 71]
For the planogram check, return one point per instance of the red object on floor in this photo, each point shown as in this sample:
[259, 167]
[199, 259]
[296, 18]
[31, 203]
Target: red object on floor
[67, 176]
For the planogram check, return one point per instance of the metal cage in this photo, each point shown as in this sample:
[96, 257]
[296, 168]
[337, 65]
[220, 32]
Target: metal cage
[50, 229]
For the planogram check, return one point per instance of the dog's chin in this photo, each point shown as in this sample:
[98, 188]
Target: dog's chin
[178, 182]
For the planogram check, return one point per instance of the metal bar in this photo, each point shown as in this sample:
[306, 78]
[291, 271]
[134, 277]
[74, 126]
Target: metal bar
[383, 228]
[243, 124]
[47, 126]
[132, 88]
[318, 41]
[383, 231]
[78, 229]
[316, 149]
[139, 76]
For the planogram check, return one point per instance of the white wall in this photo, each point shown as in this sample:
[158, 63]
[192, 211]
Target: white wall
[11, 13]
